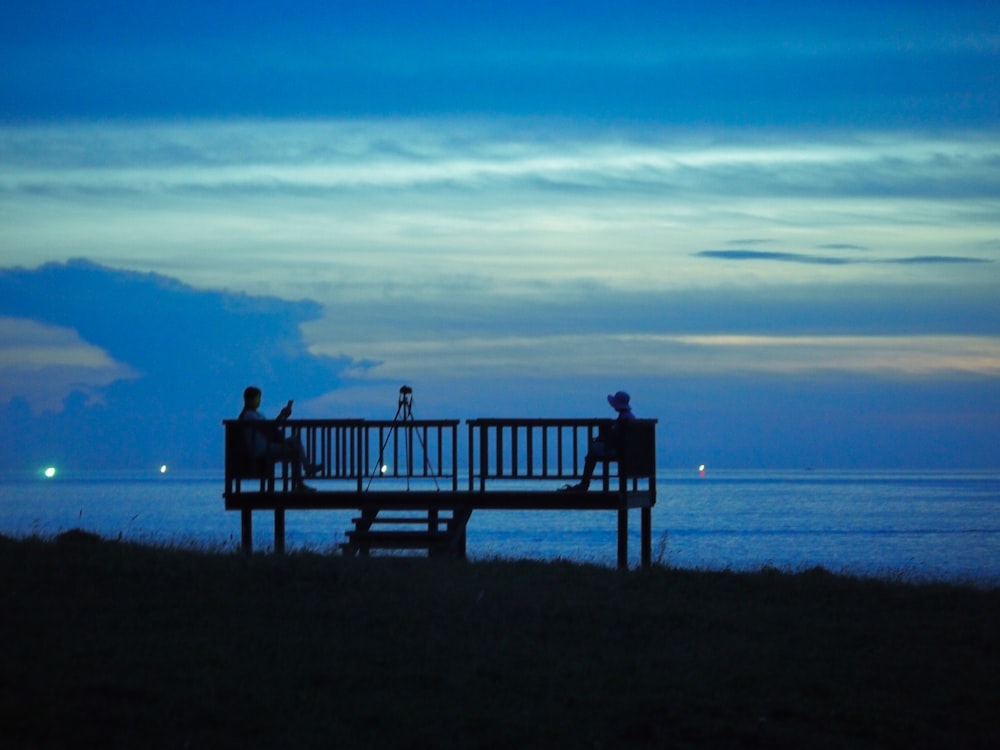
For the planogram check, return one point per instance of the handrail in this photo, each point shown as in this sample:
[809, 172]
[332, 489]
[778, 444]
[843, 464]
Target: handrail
[352, 449]
[419, 448]
[498, 449]
[532, 448]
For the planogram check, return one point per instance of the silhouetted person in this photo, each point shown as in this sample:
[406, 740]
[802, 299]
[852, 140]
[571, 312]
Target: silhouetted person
[604, 447]
[269, 442]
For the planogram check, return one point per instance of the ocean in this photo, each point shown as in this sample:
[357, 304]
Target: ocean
[941, 525]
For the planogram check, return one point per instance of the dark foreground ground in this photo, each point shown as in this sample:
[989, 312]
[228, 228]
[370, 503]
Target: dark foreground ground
[112, 645]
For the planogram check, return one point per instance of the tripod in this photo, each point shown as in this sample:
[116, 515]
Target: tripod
[404, 417]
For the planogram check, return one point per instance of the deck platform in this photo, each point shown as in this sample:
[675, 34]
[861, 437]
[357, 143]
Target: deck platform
[357, 455]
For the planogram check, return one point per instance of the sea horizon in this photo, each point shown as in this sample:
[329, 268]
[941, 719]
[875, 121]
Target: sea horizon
[926, 524]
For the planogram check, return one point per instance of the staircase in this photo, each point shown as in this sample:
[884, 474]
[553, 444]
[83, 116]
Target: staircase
[440, 533]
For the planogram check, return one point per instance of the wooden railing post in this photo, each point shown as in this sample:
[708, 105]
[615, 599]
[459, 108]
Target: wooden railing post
[647, 537]
[623, 538]
[246, 530]
[279, 531]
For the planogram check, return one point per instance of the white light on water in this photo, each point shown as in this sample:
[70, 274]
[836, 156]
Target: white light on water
[163, 469]
[50, 472]
[385, 468]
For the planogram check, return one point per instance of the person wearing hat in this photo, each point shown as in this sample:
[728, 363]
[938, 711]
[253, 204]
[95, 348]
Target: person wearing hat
[604, 447]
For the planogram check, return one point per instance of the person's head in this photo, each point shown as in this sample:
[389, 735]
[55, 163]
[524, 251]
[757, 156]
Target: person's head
[619, 401]
[251, 397]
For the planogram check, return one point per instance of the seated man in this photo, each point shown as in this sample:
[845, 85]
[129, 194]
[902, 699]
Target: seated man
[271, 444]
[604, 447]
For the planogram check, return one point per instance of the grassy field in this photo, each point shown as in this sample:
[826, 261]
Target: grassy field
[112, 645]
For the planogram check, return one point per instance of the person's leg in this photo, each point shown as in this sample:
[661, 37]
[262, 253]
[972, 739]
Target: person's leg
[306, 469]
[594, 454]
[289, 451]
[589, 465]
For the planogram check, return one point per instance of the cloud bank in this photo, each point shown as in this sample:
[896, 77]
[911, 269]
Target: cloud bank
[142, 366]
[376, 208]
[130, 370]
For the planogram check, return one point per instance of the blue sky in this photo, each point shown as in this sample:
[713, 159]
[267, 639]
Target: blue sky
[777, 225]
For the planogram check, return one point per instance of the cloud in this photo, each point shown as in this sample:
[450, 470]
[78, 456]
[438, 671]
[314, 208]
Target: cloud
[327, 156]
[140, 361]
[934, 260]
[42, 364]
[744, 255]
[180, 357]
[668, 355]
[503, 189]
[840, 246]
[767, 255]
[31, 345]
[918, 355]
[439, 206]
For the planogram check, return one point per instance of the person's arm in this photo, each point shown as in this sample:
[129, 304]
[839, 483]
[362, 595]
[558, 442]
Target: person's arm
[285, 413]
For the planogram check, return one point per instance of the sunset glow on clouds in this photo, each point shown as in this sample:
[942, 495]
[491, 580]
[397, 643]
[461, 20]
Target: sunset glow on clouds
[665, 355]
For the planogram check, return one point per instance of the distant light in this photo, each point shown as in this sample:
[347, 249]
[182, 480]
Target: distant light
[50, 472]
[701, 470]
[384, 468]
[163, 469]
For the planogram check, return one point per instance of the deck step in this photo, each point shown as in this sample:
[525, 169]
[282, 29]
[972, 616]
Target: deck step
[399, 539]
[402, 520]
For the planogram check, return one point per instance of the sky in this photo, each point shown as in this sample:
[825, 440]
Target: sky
[777, 225]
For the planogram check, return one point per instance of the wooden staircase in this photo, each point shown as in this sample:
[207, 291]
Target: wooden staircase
[440, 533]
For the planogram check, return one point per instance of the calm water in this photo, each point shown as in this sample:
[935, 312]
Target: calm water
[943, 525]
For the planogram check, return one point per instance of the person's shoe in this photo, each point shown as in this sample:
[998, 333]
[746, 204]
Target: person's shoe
[311, 470]
[573, 488]
[303, 487]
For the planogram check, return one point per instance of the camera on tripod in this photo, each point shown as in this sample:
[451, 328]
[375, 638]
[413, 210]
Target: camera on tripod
[403, 421]
[405, 403]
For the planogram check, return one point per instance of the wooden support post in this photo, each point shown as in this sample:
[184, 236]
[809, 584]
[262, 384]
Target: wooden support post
[279, 531]
[246, 530]
[647, 537]
[623, 539]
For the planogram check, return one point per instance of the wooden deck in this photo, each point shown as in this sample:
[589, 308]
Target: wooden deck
[416, 485]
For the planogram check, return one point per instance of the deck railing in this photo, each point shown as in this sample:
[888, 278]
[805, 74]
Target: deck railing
[382, 453]
[504, 449]
[334, 443]
[359, 450]
[498, 450]
[412, 449]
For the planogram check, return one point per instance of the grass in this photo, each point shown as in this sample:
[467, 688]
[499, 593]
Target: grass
[109, 644]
